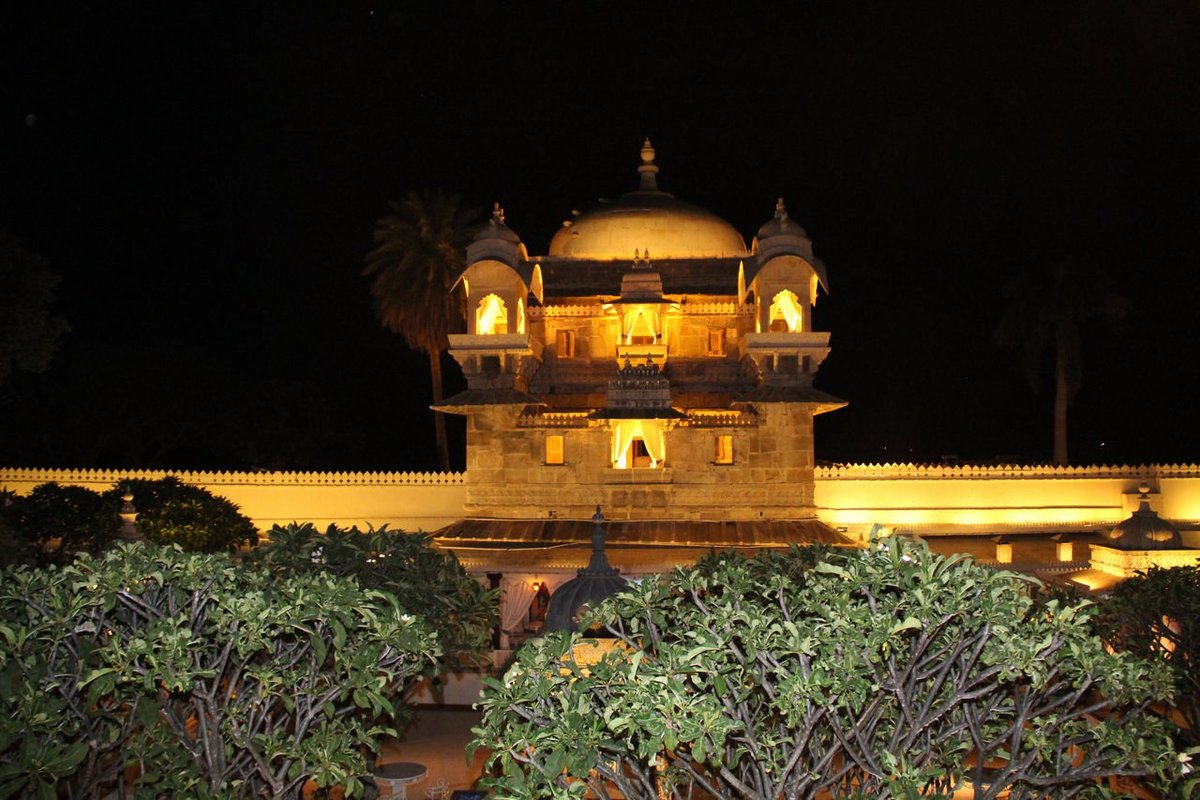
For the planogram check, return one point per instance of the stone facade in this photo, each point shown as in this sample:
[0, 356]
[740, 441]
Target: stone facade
[651, 364]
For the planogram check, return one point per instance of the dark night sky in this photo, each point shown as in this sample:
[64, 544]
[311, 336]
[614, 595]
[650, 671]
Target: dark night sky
[205, 177]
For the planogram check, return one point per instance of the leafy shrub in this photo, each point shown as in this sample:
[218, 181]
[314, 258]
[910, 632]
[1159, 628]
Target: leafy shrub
[173, 512]
[428, 582]
[197, 676]
[1156, 615]
[55, 523]
[888, 672]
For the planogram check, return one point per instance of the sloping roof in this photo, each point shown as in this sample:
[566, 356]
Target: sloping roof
[656, 533]
[566, 277]
[486, 397]
[792, 394]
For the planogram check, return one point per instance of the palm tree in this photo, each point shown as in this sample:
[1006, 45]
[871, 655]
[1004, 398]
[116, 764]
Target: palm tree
[1047, 309]
[420, 250]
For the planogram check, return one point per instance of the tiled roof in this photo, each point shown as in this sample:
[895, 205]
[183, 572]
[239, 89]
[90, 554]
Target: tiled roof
[657, 533]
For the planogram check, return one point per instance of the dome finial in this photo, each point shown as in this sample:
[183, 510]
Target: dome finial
[780, 210]
[497, 213]
[648, 169]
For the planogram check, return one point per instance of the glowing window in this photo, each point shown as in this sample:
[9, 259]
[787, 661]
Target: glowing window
[640, 326]
[554, 449]
[520, 315]
[716, 341]
[724, 453]
[491, 317]
[564, 342]
[786, 314]
[638, 444]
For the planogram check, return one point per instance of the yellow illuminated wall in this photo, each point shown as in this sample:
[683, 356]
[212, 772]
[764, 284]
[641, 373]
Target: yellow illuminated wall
[987, 501]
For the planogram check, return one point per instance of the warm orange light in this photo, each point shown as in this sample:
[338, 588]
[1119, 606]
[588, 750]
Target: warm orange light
[1066, 551]
[641, 325]
[1004, 552]
[785, 308]
[632, 436]
[491, 317]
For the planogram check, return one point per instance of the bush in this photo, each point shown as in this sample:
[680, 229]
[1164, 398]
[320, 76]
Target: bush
[55, 523]
[887, 672]
[1156, 615]
[172, 512]
[428, 582]
[198, 676]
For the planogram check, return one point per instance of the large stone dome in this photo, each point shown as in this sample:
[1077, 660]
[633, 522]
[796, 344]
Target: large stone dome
[647, 221]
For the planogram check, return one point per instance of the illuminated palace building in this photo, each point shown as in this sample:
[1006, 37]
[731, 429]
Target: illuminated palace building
[654, 365]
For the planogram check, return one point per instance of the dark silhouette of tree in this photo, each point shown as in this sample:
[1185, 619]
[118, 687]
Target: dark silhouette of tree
[1046, 311]
[29, 333]
[420, 250]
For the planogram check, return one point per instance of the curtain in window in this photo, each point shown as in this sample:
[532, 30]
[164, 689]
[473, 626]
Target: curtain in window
[648, 430]
[656, 445]
[516, 595]
[786, 306]
[623, 433]
[491, 316]
[639, 321]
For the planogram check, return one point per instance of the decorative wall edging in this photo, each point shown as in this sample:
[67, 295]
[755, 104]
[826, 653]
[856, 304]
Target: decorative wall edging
[224, 478]
[1046, 471]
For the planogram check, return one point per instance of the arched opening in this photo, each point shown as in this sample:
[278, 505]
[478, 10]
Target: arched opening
[786, 315]
[491, 317]
[520, 315]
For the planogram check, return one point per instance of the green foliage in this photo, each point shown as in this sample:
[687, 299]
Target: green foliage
[54, 523]
[888, 672]
[199, 676]
[1156, 615]
[428, 582]
[173, 512]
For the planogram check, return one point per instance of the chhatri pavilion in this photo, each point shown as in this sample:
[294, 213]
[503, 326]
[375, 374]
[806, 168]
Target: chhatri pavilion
[651, 363]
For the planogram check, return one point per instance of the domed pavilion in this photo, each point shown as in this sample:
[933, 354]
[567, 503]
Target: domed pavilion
[650, 363]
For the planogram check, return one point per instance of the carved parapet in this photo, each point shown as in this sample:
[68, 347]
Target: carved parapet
[1127, 563]
[498, 360]
[783, 356]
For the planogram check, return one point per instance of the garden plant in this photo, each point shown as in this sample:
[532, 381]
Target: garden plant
[428, 582]
[883, 672]
[160, 673]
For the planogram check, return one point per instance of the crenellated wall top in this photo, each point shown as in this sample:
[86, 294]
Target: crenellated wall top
[1001, 471]
[9, 475]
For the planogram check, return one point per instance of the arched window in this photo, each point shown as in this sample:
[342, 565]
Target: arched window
[520, 315]
[786, 314]
[491, 317]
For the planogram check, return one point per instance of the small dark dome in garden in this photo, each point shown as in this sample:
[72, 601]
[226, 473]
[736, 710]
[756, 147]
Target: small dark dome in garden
[592, 584]
[1145, 529]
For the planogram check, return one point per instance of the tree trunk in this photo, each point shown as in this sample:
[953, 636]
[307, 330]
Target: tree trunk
[439, 419]
[1061, 399]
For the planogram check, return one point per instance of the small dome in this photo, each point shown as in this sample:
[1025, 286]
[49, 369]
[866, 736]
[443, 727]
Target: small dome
[781, 225]
[592, 585]
[497, 242]
[496, 229]
[1145, 530]
[650, 221]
